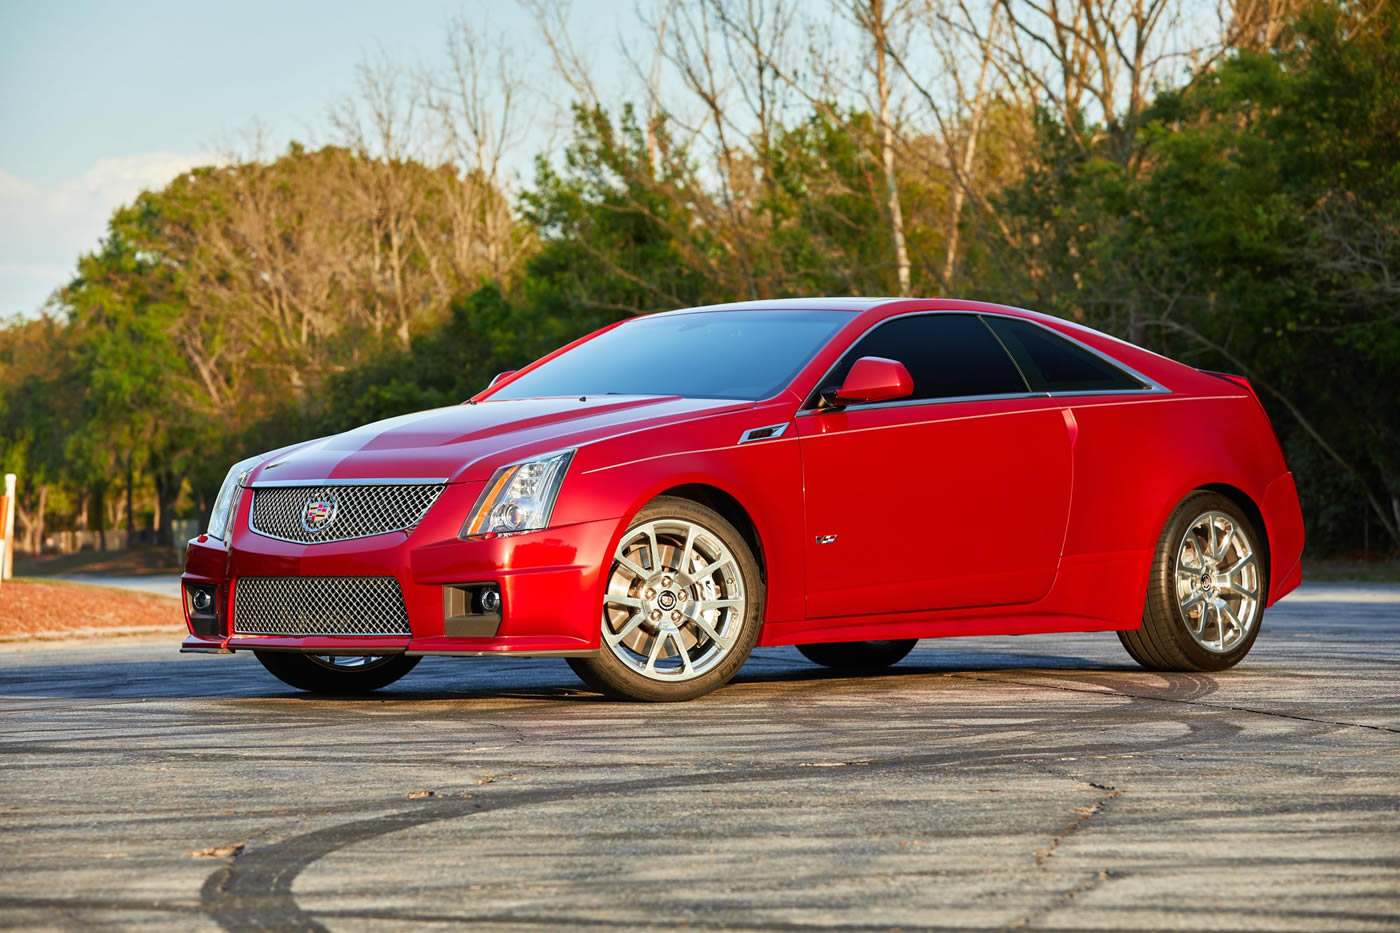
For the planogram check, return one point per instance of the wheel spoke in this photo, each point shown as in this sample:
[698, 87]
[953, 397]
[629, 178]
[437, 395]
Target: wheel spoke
[655, 652]
[1240, 565]
[1210, 525]
[653, 548]
[631, 602]
[686, 578]
[716, 567]
[683, 565]
[1206, 607]
[628, 627]
[685, 655]
[1190, 601]
[1201, 551]
[1199, 625]
[631, 567]
[704, 625]
[1219, 555]
[1224, 607]
[1239, 590]
[703, 604]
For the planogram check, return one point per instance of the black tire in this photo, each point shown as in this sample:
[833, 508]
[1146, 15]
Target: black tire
[306, 672]
[858, 657]
[608, 675]
[1164, 642]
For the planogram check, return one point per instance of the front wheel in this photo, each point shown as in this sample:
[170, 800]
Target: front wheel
[1206, 591]
[858, 657]
[336, 675]
[682, 605]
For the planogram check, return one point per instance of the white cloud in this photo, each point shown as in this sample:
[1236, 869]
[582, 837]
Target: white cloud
[43, 229]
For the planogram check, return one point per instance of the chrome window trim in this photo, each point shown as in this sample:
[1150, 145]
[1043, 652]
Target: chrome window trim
[386, 481]
[778, 431]
[910, 402]
[1150, 386]
[1153, 389]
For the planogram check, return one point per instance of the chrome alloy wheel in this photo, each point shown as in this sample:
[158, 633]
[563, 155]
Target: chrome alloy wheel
[675, 600]
[346, 662]
[1217, 582]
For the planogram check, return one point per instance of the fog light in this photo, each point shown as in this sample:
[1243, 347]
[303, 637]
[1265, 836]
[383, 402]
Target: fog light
[490, 599]
[202, 600]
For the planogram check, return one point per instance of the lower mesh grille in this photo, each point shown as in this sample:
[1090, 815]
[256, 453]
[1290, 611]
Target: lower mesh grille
[318, 606]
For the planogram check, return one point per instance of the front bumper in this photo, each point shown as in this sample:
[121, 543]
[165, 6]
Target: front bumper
[550, 583]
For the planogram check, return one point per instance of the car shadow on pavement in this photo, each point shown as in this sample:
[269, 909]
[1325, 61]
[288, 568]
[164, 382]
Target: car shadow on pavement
[447, 679]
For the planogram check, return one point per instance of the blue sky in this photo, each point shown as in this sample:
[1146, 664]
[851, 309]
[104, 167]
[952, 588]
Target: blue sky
[100, 100]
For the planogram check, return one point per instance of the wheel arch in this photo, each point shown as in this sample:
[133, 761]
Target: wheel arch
[1251, 511]
[732, 509]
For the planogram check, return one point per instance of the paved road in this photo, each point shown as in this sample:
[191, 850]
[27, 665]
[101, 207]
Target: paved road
[166, 585]
[1037, 782]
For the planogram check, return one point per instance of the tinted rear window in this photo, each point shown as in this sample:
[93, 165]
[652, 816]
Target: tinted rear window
[1053, 364]
[706, 354]
[949, 356]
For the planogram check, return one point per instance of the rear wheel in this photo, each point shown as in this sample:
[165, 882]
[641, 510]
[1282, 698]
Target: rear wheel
[681, 609]
[339, 675]
[858, 657]
[1206, 591]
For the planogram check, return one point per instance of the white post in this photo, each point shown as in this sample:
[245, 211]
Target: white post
[8, 569]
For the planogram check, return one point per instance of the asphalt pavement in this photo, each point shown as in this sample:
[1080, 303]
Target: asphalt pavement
[1028, 782]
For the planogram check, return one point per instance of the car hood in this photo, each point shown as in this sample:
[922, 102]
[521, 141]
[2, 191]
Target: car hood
[467, 442]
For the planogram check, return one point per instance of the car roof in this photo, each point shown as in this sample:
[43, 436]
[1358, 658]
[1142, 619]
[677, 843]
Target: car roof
[876, 309]
[862, 304]
[794, 304]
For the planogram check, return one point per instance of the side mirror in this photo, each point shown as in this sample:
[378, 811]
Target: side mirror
[499, 376]
[872, 379]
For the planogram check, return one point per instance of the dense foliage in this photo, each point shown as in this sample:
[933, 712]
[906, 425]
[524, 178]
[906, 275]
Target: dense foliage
[1246, 220]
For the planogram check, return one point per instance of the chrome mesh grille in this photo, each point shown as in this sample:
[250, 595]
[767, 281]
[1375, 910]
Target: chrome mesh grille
[354, 511]
[318, 606]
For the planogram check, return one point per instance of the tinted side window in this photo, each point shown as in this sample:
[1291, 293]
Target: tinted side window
[1053, 364]
[949, 355]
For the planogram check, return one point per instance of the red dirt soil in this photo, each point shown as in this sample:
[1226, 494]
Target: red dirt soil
[31, 608]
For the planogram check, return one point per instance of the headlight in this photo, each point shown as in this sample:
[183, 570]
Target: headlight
[519, 497]
[227, 499]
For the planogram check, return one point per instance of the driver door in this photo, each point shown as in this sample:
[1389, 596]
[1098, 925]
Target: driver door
[957, 496]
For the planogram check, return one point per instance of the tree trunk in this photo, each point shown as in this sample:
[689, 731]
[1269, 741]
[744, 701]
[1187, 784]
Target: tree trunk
[39, 519]
[969, 153]
[130, 512]
[882, 81]
[31, 522]
[100, 504]
[168, 486]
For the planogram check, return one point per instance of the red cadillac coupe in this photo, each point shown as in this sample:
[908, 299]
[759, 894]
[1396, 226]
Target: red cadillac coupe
[844, 475]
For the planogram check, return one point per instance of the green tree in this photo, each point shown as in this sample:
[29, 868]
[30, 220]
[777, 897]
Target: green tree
[1253, 229]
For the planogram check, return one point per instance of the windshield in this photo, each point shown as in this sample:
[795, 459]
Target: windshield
[707, 354]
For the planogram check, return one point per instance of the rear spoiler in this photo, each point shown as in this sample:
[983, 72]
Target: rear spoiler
[1240, 381]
